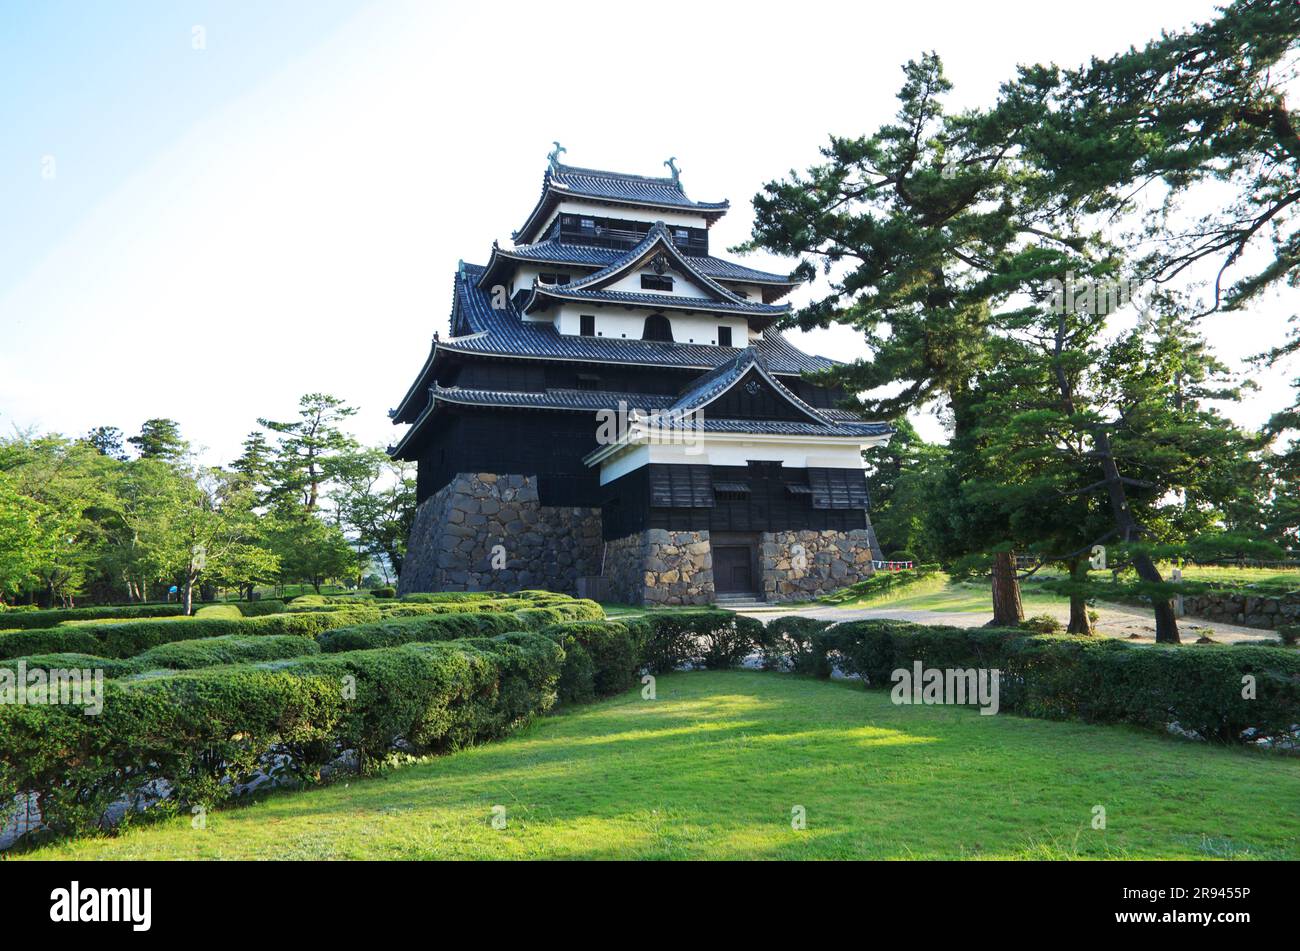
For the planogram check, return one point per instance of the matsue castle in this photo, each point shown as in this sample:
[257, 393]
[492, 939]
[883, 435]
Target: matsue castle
[614, 413]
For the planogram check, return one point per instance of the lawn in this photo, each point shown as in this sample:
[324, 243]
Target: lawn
[714, 767]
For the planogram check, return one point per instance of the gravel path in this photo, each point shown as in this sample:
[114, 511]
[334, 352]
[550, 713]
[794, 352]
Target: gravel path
[1116, 620]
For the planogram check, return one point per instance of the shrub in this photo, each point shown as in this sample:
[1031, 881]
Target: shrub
[258, 608]
[422, 628]
[1099, 680]
[218, 610]
[1042, 624]
[903, 555]
[601, 658]
[439, 597]
[204, 732]
[110, 666]
[1290, 633]
[129, 639]
[228, 649]
[27, 620]
[797, 644]
[705, 638]
[385, 592]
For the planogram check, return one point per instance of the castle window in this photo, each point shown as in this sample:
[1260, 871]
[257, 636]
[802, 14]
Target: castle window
[553, 278]
[724, 336]
[656, 282]
[588, 325]
[657, 327]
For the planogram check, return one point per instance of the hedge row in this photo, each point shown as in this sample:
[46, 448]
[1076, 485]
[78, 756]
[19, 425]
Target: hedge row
[1092, 679]
[128, 639]
[203, 733]
[29, 620]
[179, 655]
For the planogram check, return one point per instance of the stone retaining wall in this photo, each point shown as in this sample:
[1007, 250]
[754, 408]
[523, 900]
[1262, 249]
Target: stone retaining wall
[488, 532]
[807, 564]
[1246, 610]
[658, 567]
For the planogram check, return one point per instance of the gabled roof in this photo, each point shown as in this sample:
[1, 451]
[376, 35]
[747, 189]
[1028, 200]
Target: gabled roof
[612, 188]
[712, 385]
[551, 251]
[489, 331]
[594, 287]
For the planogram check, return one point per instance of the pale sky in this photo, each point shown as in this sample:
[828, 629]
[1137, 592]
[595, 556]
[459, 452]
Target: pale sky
[208, 209]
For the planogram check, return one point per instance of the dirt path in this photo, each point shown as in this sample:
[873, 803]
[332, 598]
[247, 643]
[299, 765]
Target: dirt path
[1116, 620]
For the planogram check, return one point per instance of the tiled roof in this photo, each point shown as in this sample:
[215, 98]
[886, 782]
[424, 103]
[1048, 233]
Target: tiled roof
[586, 400]
[713, 384]
[502, 332]
[593, 400]
[551, 251]
[659, 301]
[568, 181]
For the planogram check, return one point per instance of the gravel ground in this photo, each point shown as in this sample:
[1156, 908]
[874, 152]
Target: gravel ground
[1116, 620]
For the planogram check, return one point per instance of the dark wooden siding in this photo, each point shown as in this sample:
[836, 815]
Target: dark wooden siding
[547, 444]
[626, 504]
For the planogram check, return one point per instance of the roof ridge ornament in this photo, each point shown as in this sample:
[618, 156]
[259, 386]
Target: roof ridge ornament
[672, 167]
[554, 157]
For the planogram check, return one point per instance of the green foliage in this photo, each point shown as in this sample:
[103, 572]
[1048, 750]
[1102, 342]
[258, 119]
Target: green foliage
[227, 649]
[1289, 633]
[418, 629]
[797, 644]
[131, 638]
[205, 732]
[384, 592]
[1098, 680]
[880, 583]
[706, 638]
[1042, 624]
[601, 658]
[52, 618]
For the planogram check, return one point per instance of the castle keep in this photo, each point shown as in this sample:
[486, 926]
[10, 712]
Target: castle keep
[615, 411]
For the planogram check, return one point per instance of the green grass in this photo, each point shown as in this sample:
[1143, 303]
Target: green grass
[967, 596]
[714, 766]
[907, 585]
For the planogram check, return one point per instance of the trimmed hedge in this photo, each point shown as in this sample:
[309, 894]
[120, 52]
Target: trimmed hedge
[227, 649]
[129, 639]
[797, 644]
[601, 658]
[258, 608]
[205, 732]
[1096, 680]
[29, 620]
[708, 638]
[418, 629]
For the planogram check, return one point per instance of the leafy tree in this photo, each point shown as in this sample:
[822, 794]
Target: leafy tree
[1204, 111]
[160, 438]
[375, 501]
[311, 452]
[927, 231]
[906, 482]
[107, 441]
[255, 461]
[204, 526]
[22, 540]
[310, 550]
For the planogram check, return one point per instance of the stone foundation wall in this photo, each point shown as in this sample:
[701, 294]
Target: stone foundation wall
[456, 533]
[657, 567]
[806, 564]
[1247, 611]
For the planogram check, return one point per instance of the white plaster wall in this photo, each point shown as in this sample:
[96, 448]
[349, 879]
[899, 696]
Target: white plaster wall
[626, 323]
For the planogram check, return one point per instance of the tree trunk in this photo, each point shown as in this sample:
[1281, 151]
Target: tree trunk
[1166, 621]
[189, 596]
[1080, 623]
[1007, 608]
